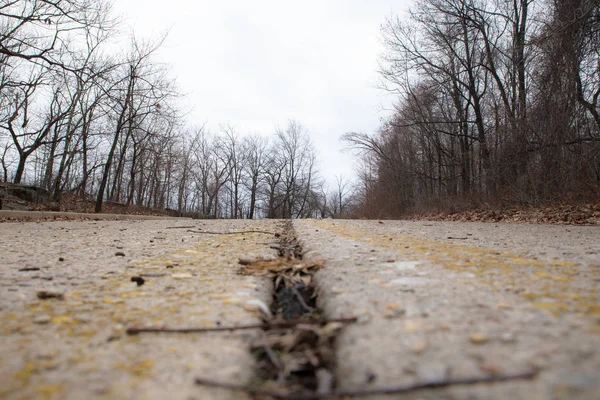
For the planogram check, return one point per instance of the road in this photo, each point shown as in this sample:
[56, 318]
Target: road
[434, 302]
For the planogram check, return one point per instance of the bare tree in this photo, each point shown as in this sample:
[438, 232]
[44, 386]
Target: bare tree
[298, 168]
[30, 132]
[37, 31]
[139, 89]
[340, 196]
[255, 147]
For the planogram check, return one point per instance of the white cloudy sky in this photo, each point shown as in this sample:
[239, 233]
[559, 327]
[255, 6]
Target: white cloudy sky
[257, 64]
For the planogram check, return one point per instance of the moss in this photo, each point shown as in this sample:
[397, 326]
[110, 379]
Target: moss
[26, 372]
[49, 391]
[140, 369]
[63, 319]
[555, 309]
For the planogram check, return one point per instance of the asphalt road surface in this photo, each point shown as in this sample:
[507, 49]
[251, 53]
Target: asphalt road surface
[434, 301]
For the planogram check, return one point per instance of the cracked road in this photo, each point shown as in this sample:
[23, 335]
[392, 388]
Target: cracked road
[435, 301]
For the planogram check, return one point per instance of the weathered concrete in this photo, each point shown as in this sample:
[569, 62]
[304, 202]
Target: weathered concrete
[452, 300]
[435, 300]
[77, 347]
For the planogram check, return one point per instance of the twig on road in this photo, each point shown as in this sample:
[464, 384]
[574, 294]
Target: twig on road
[265, 326]
[367, 392]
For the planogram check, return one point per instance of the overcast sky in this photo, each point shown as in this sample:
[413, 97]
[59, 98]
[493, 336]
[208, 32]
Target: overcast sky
[257, 64]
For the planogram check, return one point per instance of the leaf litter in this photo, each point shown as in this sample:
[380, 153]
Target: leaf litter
[298, 359]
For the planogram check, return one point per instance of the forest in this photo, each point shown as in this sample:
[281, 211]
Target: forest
[79, 118]
[496, 103]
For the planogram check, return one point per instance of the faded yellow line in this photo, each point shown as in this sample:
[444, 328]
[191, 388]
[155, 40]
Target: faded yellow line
[553, 286]
[200, 286]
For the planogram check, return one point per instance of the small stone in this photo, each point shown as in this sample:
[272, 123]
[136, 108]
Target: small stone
[138, 279]
[419, 347]
[119, 254]
[478, 338]
[42, 319]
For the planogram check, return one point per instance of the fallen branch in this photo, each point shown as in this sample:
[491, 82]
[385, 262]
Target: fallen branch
[232, 233]
[180, 227]
[366, 392]
[264, 326]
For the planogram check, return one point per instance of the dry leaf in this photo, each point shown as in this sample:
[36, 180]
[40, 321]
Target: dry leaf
[478, 338]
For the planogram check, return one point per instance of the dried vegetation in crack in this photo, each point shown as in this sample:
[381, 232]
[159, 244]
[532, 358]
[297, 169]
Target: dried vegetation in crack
[297, 360]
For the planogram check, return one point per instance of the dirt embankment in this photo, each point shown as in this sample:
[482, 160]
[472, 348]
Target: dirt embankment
[32, 198]
[586, 214]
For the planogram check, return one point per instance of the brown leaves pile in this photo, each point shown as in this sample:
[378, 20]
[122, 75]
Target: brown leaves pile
[289, 271]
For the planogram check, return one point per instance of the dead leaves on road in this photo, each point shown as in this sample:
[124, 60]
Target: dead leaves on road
[289, 271]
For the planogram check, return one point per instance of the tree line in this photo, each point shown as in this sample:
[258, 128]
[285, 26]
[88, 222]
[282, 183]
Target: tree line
[497, 101]
[79, 118]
